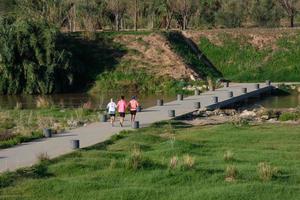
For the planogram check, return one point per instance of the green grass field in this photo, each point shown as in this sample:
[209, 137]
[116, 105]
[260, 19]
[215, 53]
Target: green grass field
[136, 165]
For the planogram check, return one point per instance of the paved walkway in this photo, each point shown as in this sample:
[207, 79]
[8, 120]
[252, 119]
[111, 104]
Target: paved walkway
[26, 154]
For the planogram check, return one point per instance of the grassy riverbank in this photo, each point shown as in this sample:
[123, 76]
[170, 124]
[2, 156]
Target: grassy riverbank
[171, 161]
[249, 56]
[18, 126]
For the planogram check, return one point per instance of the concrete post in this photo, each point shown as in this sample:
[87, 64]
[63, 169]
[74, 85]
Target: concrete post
[160, 102]
[75, 144]
[47, 133]
[197, 92]
[103, 118]
[139, 109]
[230, 94]
[136, 125]
[179, 97]
[257, 86]
[268, 82]
[197, 105]
[171, 113]
[244, 90]
[215, 100]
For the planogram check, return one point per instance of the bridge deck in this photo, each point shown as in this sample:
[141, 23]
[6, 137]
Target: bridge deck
[26, 154]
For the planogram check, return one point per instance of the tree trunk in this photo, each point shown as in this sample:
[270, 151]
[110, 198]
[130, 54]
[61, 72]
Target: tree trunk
[135, 15]
[117, 22]
[184, 23]
[292, 21]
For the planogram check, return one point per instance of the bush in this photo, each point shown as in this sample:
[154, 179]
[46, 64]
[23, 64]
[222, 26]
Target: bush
[289, 117]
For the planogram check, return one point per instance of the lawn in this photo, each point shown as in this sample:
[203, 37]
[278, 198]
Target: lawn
[171, 161]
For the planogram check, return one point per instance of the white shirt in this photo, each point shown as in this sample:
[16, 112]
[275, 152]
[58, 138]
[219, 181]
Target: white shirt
[111, 107]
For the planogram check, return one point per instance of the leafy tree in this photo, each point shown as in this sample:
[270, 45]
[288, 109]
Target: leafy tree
[209, 10]
[266, 13]
[232, 13]
[184, 10]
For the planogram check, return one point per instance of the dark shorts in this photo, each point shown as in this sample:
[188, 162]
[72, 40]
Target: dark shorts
[133, 112]
[122, 114]
[112, 115]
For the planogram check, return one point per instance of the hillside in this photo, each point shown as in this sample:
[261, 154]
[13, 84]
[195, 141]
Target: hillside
[151, 62]
[249, 55]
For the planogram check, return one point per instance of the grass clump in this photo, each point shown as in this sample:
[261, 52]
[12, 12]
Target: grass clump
[136, 159]
[228, 156]
[231, 173]
[188, 162]
[266, 172]
[174, 162]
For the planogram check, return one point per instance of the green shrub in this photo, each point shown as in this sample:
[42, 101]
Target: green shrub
[289, 116]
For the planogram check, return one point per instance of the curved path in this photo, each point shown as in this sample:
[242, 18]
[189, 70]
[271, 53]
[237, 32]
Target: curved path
[25, 155]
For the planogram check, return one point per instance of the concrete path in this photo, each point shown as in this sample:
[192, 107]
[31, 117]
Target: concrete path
[25, 155]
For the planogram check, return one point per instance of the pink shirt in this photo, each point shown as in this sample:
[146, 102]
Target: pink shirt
[133, 104]
[121, 106]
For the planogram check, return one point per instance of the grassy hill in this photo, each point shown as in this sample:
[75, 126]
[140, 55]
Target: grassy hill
[250, 55]
[171, 161]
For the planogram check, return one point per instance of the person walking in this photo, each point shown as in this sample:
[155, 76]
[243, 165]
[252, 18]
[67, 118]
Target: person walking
[111, 108]
[121, 106]
[133, 105]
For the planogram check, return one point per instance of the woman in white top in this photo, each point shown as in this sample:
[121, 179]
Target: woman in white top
[111, 107]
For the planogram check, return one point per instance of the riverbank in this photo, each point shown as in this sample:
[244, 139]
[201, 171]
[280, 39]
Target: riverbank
[171, 160]
[19, 126]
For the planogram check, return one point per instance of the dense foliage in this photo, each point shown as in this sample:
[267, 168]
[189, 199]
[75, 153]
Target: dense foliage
[91, 15]
[30, 61]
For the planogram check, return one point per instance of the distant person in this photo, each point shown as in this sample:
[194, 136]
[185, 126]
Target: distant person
[122, 109]
[133, 106]
[111, 108]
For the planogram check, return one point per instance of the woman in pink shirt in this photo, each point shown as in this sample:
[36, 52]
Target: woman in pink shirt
[121, 106]
[133, 105]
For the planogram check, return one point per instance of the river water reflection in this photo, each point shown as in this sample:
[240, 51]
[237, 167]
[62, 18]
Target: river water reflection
[77, 100]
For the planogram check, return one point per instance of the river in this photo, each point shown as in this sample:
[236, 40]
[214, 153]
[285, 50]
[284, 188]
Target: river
[99, 101]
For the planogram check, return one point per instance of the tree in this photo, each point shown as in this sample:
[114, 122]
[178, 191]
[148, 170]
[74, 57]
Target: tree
[30, 60]
[183, 10]
[291, 8]
[209, 10]
[169, 10]
[117, 8]
[266, 13]
[232, 13]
